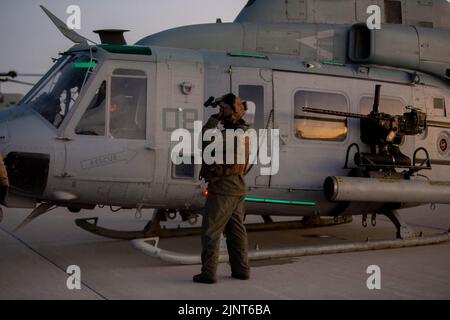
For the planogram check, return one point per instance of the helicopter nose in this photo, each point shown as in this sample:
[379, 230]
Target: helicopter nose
[26, 145]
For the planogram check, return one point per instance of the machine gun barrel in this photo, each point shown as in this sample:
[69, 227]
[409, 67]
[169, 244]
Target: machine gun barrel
[376, 102]
[336, 113]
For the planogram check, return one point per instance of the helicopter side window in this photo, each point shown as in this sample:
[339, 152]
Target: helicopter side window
[93, 121]
[254, 95]
[128, 104]
[321, 127]
[56, 97]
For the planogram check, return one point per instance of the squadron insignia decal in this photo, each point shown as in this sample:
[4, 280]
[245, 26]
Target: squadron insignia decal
[443, 144]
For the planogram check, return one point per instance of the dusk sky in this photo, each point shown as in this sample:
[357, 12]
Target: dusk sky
[29, 39]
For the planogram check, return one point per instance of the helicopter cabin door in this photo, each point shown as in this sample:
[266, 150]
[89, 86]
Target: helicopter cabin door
[312, 146]
[180, 106]
[255, 86]
[107, 138]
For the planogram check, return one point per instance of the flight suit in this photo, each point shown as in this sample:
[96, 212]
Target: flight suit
[224, 211]
[4, 181]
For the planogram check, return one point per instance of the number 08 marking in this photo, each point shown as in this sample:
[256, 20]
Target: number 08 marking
[174, 119]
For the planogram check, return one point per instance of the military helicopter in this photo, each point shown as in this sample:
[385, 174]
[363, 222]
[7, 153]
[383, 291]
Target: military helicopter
[362, 114]
[9, 99]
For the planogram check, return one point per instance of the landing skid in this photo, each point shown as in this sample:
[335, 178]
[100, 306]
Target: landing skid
[150, 247]
[90, 225]
[406, 237]
[154, 229]
[151, 229]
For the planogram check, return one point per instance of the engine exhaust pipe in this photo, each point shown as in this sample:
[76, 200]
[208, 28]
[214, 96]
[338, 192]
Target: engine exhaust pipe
[350, 189]
[112, 36]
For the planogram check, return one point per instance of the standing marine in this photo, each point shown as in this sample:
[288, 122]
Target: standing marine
[224, 210]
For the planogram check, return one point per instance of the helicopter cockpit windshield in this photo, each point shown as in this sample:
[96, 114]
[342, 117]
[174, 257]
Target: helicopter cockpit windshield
[57, 94]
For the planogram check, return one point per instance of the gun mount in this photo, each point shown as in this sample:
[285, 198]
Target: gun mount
[384, 133]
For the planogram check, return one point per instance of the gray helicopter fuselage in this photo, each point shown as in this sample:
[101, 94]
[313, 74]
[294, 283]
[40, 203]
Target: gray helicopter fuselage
[107, 156]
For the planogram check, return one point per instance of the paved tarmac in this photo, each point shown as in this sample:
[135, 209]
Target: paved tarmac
[34, 260]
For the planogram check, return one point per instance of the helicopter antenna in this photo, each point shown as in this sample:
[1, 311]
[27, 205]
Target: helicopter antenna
[68, 33]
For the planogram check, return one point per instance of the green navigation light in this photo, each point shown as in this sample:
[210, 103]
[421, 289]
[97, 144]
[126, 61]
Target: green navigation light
[334, 63]
[286, 202]
[248, 55]
[84, 65]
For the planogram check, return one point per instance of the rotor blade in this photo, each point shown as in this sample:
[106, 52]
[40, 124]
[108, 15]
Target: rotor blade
[20, 82]
[30, 74]
[62, 27]
[10, 74]
[43, 208]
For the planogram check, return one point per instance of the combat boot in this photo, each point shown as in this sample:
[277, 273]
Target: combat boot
[240, 276]
[201, 278]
